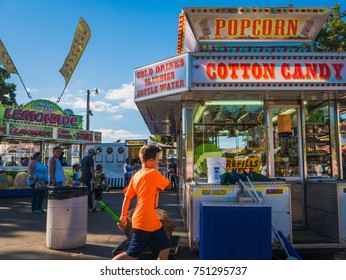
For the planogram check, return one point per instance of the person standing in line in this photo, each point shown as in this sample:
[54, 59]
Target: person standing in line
[99, 181]
[137, 166]
[264, 168]
[172, 167]
[56, 173]
[147, 228]
[128, 172]
[88, 173]
[36, 171]
[343, 158]
[76, 179]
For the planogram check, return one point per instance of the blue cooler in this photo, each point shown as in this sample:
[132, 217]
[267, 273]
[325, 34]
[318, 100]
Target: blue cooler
[234, 231]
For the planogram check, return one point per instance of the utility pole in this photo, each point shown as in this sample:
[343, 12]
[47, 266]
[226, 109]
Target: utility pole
[88, 111]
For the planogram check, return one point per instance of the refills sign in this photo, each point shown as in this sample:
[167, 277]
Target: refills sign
[259, 69]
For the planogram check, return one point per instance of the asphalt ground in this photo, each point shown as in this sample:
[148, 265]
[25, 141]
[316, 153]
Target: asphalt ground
[23, 233]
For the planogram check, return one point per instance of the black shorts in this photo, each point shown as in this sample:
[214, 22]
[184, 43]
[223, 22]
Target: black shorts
[98, 194]
[156, 240]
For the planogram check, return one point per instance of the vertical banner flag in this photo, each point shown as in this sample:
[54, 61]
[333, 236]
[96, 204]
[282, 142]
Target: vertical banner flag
[79, 43]
[6, 60]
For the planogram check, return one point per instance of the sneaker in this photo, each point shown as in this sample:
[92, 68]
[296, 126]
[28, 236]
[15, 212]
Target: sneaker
[94, 210]
[40, 211]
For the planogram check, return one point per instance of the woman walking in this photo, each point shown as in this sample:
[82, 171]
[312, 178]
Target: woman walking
[37, 173]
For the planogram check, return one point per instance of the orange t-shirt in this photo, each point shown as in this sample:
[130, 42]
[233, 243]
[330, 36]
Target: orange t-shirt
[146, 184]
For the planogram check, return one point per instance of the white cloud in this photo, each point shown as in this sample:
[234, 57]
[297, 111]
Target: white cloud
[114, 100]
[129, 104]
[124, 95]
[116, 117]
[71, 101]
[32, 90]
[126, 92]
[110, 135]
[101, 106]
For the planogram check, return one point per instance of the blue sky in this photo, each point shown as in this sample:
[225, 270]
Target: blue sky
[125, 35]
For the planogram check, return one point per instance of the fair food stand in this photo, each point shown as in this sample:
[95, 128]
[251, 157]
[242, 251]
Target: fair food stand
[246, 85]
[38, 126]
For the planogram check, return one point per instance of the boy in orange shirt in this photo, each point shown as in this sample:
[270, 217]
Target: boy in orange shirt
[147, 228]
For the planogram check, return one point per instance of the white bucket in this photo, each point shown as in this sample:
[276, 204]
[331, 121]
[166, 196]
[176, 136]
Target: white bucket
[216, 167]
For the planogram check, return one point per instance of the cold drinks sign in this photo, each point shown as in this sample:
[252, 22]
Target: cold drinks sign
[162, 78]
[241, 71]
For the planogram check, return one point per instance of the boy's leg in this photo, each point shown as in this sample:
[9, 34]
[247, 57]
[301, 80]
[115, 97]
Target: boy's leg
[123, 256]
[94, 206]
[159, 242]
[98, 196]
[138, 243]
[163, 255]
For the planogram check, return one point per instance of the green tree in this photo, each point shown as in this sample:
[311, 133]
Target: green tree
[7, 90]
[167, 140]
[332, 37]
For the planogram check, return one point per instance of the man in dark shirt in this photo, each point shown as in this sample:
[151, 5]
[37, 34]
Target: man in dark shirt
[172, 167]
[88, 173]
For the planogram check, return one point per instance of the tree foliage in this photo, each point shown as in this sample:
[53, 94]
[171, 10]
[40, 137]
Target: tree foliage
[332, 37]
[167, 140]
[7, 90]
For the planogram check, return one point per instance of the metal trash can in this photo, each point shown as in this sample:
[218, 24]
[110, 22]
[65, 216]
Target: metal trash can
[67, 217]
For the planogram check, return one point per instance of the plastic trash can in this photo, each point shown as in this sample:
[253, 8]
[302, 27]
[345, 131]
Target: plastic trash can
[67, 217]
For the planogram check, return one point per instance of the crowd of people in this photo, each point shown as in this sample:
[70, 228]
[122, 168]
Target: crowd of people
[131, 168]
[84, 174]
[53, 175]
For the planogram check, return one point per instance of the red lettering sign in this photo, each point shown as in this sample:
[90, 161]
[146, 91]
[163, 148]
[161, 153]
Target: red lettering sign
[274, 191]
[40, 117]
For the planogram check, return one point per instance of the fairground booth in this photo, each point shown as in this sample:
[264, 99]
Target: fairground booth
[38, 126]
[247, 92]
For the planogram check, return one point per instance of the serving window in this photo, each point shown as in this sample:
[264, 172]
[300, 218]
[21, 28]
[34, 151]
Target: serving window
[17, 153]
[232, 129]
[318, 147]
[342, 129]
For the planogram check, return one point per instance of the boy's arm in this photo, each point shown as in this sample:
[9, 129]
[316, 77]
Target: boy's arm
[105, 179]
[125, 208]
[169, 187]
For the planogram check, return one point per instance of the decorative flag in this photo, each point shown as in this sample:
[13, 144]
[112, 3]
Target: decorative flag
[6, 60]
[79, 43]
